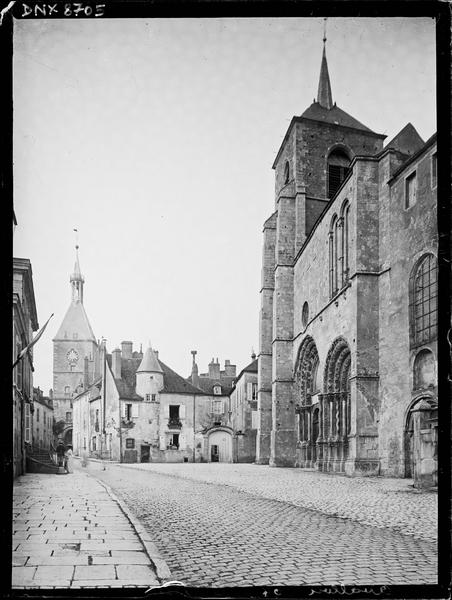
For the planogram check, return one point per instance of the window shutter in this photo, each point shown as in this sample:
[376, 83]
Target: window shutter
[249, 391]
[182, 411]
[135, 410]
[166, 411]
[254, 419]
[123, 410]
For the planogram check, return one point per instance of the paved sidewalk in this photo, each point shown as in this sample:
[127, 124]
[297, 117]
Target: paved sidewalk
[377, 501]
[70, 532]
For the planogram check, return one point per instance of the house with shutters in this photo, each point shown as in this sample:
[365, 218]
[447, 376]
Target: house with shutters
[140, 410]
[243, 413]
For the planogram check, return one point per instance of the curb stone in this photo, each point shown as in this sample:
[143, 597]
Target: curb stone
[161, 568]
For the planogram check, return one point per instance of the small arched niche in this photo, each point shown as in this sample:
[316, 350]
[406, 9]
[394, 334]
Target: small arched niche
[424, 370]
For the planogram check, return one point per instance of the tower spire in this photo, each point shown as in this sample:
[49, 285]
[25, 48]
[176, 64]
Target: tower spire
[77, 279]
[324, 95]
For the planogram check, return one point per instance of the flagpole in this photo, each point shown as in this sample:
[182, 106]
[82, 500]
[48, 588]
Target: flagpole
[28, 347]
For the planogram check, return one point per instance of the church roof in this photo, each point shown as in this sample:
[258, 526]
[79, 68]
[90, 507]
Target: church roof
[75, 321]
[149, 364]
[334, 116]
[407, 141]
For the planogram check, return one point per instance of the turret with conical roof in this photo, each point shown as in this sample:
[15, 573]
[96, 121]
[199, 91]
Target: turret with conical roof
[149, 374]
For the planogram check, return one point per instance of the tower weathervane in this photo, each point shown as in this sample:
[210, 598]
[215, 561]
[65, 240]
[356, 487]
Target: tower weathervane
[76, 238]
[324, 29]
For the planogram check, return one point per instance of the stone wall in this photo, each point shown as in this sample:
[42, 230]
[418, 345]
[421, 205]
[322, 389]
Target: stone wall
[405, 236]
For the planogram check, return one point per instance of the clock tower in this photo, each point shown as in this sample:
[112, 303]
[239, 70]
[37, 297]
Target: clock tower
[75, 354]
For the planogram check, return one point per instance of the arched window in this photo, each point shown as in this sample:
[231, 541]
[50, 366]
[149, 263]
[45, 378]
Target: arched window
[338, 168]
[423, 301]
[345, 241]
[333, 256]
[286, 172]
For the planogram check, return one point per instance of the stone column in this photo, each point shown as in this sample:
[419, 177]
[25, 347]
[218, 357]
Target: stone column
[264, 393]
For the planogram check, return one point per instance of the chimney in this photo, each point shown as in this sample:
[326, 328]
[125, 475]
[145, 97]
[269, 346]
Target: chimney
[127, 348]
[156, 352]
[253, 354]
[214, 369]
[85, 373]
[194, 370]
[51, 394]
[116, 363]
[229, 370]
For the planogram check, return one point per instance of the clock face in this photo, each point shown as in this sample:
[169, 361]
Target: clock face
[72, 356]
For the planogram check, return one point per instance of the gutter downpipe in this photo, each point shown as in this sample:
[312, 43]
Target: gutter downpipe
[194, 439]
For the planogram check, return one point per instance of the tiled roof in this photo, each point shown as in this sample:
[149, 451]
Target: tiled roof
[172, 382]
[251, 368]
[407, 141]
[75, 321]
[175, 384]
[334, 115]
[208, 383]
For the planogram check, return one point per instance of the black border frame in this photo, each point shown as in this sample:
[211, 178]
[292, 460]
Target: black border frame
[253, 8]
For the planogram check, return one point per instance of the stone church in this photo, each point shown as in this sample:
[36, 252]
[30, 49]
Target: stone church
[348, 322]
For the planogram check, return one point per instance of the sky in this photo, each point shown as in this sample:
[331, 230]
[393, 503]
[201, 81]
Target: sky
[155, 138]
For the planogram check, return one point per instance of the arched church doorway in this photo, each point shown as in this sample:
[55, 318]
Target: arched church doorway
[421, 441]
[335, 406]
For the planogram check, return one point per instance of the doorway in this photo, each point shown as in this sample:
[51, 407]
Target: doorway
[220, 446]
[145, 453]
[214, 453]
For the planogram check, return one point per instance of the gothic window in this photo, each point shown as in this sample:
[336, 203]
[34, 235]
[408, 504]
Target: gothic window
[305, 314]
[333, 256]
[423, 301]
[286, 172]
[345, 242]
[338, 169]
[410, 190]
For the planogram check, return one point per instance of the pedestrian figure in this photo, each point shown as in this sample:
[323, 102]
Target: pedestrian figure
[68, 460]
[60, 453]
[84, 458]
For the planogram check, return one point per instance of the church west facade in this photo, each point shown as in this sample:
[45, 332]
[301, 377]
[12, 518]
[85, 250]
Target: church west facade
[347, 359]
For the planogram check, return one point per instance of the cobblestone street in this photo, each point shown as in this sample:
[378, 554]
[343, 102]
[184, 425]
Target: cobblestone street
[253, 525]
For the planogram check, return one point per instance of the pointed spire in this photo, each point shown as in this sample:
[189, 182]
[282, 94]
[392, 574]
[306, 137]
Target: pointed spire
[77, 279]
[324, 95]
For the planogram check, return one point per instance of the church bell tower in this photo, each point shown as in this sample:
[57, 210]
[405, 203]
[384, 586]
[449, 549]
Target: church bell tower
[75, 354]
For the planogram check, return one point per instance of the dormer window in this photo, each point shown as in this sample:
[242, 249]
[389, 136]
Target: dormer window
[217, 389]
